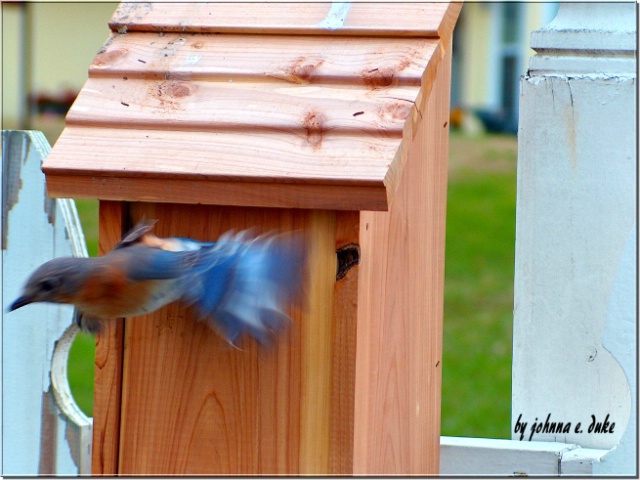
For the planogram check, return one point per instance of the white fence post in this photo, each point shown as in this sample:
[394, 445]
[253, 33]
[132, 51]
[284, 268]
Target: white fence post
[43, 431]
[574, 311]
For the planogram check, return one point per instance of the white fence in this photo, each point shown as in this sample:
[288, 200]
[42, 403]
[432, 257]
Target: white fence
[43, 430]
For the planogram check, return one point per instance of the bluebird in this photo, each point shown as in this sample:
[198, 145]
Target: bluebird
[239, 284]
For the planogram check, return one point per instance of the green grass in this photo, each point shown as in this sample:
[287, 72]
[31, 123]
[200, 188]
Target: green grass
[476, 384]
[88, 213]
[478, 303]
[80, 370]
[476, 391]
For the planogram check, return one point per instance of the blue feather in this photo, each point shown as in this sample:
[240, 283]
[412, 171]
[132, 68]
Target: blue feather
[249, 290]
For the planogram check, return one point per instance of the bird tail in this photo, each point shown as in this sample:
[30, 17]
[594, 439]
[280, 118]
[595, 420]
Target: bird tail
[250, 284]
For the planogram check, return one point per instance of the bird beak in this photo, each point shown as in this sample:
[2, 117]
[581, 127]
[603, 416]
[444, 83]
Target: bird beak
[21, 302]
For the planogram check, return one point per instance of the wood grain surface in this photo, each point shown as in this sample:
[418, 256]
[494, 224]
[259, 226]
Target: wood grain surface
[398, 19]
[279, 59]
[400, 301]
[107, 390]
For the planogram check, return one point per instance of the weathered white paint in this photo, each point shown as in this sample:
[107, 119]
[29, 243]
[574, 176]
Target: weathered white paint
[576, 209]
[620, 330]
[33, 232]
[484, 456]
[336, 16]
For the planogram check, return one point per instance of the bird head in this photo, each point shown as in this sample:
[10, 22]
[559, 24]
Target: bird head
[55, 281]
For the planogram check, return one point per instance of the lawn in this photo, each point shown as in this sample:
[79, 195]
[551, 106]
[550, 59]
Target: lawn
[476, 391]
[478, 303]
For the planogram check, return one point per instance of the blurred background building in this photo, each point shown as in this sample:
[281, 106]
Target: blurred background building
[46, 51]
[490, 53]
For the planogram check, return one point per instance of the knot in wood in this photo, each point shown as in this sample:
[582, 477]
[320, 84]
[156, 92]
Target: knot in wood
[302, 70]
[313, 124]
[108, 57]
[378, 77]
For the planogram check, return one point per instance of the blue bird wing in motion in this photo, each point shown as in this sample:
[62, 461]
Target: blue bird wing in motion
[241, 285]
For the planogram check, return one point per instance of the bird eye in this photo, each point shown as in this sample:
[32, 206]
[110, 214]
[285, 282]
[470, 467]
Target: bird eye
[48, 285]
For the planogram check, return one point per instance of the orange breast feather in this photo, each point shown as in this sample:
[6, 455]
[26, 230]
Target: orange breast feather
[108, 293]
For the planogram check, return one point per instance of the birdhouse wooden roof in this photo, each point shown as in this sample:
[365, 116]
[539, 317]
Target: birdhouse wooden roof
[266, 104]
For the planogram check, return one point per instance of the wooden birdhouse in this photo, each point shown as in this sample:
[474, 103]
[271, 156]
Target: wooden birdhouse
[331, 119]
